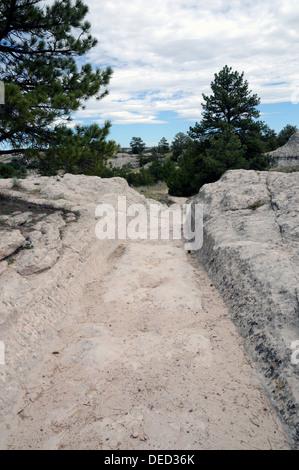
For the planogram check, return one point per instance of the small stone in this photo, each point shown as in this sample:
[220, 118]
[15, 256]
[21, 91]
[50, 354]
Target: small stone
[10, 242]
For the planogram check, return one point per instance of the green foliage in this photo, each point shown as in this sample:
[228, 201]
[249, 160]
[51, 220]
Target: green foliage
[20, 166]
[155, 154]
[82, 150]
[258, 139]
[157, 171]
[137, 145]
[180, 143]
[163, 146]
[16, 184]
[285, 134]
[142, 178]
[256, 204]
[134, 178]
[184, 179]
[160, 171]
[39, 45]
[12, 170]
[231, 103]
[228, 136]
[225, 152]
[6, 170]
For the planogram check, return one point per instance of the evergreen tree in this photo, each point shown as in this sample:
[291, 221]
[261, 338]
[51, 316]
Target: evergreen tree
[196, 168]
[228, 136]
[226, 152]
[184, 180]
[285, 134]
[83, 150]
[163, 146]
[180, 142]
[137, 145]
[230, 103]
[44, 85]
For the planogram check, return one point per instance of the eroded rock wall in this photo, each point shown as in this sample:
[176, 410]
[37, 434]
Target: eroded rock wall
[251, 252]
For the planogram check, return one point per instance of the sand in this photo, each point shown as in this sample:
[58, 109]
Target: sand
[144, 357]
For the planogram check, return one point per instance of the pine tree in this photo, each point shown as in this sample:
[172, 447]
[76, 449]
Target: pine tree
[83, 150]
[196, 167]
[137, 145]
[44, 86]
[179, 144]
[285, 134]
[230, 103]
[226, 152]
[163, 146]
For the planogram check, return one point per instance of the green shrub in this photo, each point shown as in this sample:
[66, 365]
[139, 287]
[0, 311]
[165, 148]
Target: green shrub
[12, 170]
[6, 170]
[255, 205]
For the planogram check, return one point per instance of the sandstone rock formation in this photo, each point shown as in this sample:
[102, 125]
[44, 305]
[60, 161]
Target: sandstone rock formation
[288, 154]
[10, 242]
[47, 231]
[251, 251]
[122, 159]
[65, 293]
[117, 344]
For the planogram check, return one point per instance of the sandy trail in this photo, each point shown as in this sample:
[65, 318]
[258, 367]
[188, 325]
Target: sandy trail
[148, 359]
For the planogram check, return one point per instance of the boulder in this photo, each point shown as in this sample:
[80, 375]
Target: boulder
[10, 242]
[36, 260]
[20, 219]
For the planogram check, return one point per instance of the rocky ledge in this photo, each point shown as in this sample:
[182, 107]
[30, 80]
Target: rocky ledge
[47, 239]
[251, 252]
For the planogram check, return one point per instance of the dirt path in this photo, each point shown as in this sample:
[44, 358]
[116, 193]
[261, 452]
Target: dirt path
[148, 359]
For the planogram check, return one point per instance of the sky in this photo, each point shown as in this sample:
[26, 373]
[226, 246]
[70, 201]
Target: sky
[164, 54]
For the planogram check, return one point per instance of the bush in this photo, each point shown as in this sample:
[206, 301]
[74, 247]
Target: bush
[12, 170]
[6, 170]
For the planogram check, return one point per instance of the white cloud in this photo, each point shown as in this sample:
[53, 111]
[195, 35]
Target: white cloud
[165, 53]
[73, 124]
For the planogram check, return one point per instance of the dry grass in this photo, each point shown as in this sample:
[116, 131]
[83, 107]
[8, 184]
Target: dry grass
[158, 192]
[286, 169]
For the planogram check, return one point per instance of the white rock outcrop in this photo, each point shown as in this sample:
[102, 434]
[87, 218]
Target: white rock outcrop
[47, 234]
[288, 154]
[10, 242]
[122, 159]
[251, 252]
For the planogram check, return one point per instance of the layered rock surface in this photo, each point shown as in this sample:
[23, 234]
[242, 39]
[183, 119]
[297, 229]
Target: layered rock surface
[47, 233]
[62, 291]
[288, 154]
[251, 252]
[117, 344]
[122, 159]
